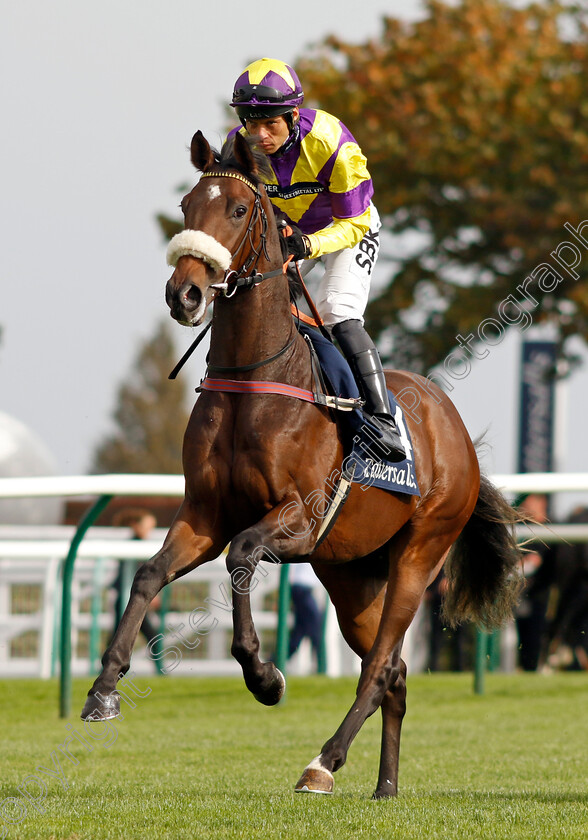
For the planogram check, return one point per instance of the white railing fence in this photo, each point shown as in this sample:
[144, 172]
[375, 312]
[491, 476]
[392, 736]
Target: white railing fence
[30, 599]
[31, 559]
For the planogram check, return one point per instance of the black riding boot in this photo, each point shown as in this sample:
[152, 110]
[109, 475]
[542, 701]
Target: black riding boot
[364, 360]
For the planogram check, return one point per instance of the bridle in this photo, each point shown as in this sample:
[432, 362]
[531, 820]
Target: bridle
[234, 280]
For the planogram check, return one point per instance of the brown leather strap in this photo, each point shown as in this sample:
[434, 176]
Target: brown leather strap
[306, 319]
[309, 300]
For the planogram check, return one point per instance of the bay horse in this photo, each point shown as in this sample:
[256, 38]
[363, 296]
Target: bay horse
[254, 461]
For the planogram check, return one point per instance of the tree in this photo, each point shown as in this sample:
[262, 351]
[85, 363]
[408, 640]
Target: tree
[474, 124]
[151, 415]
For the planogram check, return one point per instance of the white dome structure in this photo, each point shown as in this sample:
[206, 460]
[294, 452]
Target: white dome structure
[23, 454]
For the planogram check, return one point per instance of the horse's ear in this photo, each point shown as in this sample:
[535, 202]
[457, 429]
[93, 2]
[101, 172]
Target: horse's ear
[201, 154]
[243, 155]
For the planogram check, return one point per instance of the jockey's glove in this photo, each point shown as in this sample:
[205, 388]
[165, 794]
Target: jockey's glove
[298, 244]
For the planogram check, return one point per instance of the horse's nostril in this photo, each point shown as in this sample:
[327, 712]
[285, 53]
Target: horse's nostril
[190, 297]
[193, 294]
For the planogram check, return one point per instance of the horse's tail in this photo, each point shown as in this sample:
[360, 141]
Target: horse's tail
[483, 567]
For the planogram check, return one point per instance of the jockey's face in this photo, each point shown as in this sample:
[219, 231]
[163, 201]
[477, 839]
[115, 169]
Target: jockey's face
[271, 133]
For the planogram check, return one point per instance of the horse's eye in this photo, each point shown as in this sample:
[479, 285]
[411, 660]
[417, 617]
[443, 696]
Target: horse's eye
[240, 212]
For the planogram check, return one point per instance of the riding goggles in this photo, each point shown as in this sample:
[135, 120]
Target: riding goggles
[262, 95]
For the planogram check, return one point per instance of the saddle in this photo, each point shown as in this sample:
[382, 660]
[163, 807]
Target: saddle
[361, 436]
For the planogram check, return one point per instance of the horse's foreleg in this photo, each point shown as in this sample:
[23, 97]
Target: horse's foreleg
[263, 679]
[183, 550]
[268, 538]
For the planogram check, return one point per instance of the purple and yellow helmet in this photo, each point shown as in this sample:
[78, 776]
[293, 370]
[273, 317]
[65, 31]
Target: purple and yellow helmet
[265, 89]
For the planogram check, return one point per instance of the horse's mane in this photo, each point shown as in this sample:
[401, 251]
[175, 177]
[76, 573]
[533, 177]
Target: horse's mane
[227, 160]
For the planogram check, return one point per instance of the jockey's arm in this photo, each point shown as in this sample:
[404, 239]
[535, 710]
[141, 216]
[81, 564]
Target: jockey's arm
[351, 190]
[342, 233]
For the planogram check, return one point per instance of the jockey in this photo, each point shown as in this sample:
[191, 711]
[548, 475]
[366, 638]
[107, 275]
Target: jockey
[321, 182]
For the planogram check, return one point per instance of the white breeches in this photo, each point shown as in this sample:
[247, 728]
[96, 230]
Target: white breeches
[342, 292]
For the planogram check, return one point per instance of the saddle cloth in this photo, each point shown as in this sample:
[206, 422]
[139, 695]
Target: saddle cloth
[361, 436]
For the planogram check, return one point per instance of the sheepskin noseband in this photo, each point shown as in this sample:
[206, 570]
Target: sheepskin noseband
[196, 243]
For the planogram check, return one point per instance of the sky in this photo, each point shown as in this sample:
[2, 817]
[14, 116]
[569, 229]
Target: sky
[98, 105]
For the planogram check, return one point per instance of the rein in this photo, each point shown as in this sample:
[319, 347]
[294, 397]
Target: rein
[254, 365]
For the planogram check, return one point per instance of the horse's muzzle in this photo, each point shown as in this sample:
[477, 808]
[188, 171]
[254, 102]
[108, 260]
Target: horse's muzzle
[187, 304]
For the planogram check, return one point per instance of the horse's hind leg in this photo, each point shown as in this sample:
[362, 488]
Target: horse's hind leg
[416, 553]
[393, 710]
[357, 591]
[184, 549]
[317, 779]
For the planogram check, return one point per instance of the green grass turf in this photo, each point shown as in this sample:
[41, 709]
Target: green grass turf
[199, 758]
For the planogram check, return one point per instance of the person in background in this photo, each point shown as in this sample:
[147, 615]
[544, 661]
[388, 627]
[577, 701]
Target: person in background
[440, 634]
[569, 628]
[308, 617]
[538, 571]
[141, 522]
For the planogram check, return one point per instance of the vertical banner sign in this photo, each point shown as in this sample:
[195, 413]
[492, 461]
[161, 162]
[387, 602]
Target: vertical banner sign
[537, 407]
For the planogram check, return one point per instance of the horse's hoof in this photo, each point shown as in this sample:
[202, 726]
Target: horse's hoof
[98, 707]
[378, 795]
[275, 692]
[315, 779]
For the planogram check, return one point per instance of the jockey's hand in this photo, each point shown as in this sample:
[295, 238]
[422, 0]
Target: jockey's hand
[298, 244]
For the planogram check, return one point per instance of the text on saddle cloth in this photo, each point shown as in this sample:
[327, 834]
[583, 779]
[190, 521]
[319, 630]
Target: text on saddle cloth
[373, 470]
